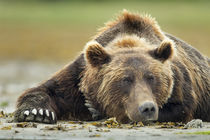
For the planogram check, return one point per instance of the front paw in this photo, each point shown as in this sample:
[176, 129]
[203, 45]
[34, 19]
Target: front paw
[35, 115]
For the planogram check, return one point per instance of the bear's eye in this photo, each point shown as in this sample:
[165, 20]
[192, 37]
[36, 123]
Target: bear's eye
[127, 80]
[150, 78]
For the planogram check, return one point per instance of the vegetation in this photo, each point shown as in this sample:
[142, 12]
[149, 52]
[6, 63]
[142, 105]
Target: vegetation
[200, 133]
[58, 30]
[4, 104]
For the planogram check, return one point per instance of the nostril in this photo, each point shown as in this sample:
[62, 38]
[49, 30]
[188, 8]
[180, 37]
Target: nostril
[153, 109]
[145, 110]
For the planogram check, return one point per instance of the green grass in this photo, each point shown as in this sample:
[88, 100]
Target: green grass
[4, 104]
[181, 13]
[197, 133]
[200, 133]
[59, 30]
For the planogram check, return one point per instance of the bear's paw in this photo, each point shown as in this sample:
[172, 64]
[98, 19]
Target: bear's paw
[35, 115]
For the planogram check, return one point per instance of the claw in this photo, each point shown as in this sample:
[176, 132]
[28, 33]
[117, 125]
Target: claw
[47, 113]
[88, 105]
[26, 113]
[34, 111]
[41, 111]
[92, 110]
[53, 116]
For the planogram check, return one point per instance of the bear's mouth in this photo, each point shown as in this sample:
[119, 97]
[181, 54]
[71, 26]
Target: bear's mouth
[140, 119]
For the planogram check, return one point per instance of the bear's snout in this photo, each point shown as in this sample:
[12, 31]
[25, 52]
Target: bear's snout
[148, 111]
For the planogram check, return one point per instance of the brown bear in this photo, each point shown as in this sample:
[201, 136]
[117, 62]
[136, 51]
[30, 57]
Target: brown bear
[132, 71]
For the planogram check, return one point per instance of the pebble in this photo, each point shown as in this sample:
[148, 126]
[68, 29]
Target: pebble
[196, 123]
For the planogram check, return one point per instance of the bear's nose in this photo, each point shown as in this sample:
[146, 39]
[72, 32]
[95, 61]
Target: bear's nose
[148, 111]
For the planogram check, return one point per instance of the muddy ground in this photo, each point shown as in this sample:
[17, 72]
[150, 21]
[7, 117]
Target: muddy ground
[17, 76]
[104, 130]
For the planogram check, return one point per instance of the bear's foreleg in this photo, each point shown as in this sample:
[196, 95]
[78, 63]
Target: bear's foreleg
[57, 98]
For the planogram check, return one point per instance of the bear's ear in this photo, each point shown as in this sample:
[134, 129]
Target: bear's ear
[96, 55]
[164, 51]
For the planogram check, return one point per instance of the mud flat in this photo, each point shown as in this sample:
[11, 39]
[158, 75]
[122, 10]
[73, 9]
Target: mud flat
[103, 130]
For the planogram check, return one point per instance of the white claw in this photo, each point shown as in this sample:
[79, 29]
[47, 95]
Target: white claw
[34, 111]
[92, 110]
[47, 113]
[41, 111]
[26, 113]
[53, 116]
[88, 105]
[87, 101]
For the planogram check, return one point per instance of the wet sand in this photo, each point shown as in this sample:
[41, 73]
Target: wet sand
[100, 130]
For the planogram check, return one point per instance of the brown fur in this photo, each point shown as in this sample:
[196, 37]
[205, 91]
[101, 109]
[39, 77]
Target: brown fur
[126, 43]
[134, 48]
[146, 21]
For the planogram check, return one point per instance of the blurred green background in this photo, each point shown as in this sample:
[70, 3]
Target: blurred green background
[37, 37]
[56, 30]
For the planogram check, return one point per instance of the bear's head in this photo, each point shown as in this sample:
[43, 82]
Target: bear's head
[129, 82]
